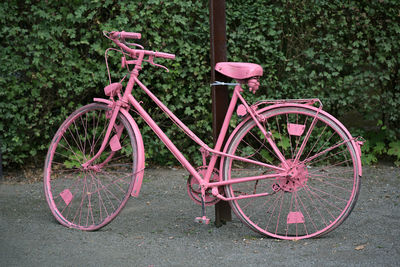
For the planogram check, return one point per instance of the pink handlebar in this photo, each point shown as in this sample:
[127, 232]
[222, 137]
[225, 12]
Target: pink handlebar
[130, 35]
[117, 37]
[164, 55]
[127, 35]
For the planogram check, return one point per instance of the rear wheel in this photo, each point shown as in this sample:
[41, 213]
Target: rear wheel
[89, 198]
[320, 188]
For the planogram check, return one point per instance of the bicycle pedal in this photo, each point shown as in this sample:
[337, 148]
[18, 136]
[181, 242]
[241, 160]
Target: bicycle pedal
[202, 220]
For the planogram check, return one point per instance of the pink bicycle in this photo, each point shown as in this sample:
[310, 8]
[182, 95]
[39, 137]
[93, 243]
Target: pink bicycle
[289, 169]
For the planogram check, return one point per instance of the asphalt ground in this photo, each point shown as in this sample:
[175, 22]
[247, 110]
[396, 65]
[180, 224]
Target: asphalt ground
[158, 229]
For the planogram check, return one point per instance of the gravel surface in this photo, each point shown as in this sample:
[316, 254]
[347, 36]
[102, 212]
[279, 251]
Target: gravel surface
[158, 229]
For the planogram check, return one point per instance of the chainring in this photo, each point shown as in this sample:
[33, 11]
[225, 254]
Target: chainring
[194, 191]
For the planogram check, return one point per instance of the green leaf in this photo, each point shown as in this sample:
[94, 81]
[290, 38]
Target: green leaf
[394, 149]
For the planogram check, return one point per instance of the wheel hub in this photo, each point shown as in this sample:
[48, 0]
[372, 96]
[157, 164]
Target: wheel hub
[95, 168]
[296, 178]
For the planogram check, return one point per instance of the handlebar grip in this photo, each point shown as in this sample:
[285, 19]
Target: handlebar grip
[128, 35]
[164, 55]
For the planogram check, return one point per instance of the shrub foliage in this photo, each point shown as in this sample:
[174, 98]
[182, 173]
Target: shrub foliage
[52, 61]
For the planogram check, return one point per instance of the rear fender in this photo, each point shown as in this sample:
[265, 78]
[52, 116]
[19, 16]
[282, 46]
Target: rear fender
[326, 114]
[140, 167]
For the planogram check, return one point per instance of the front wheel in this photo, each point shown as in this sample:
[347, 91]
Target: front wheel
[321, 187]
[89, 198]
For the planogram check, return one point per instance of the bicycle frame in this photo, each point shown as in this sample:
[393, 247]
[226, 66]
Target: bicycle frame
[307, 161]
[216, 152]
[122, 104]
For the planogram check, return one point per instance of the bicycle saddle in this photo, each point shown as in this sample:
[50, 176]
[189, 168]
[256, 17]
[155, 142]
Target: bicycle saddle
[239, 70]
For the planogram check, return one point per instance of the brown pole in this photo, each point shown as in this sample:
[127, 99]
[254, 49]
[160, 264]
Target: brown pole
[220, 96]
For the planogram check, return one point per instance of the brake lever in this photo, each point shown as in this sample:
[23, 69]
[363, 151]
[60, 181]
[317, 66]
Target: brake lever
[151, 61]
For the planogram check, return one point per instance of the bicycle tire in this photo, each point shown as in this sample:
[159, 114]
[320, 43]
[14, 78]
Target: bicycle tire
[324, 189]
[88, 199]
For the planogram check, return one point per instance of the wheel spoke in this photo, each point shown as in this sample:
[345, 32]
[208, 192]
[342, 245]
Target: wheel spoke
[319, 187]
[89, 198]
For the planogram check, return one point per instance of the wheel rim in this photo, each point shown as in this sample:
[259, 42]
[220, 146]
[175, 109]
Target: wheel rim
[320, 191]
[89, 198]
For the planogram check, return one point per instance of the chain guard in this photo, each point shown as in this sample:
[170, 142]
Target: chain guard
[193, 187]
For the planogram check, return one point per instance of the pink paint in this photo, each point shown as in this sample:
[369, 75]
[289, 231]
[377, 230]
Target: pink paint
[115, 144]
[258, 140]
[112, 89]
[295, 217]
[66, 195]
[241, 110]
[239, 70]
[295, 129]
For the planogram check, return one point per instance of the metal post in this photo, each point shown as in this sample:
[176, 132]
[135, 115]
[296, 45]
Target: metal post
[220, 96]
[1, 165]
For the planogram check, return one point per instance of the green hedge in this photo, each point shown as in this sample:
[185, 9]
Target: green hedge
[52, 61]
[347, 53]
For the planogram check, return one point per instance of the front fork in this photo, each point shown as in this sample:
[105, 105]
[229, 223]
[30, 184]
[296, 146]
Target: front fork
[114, 142]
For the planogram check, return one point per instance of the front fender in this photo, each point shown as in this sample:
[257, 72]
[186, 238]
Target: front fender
[326, 114]
[140, 157]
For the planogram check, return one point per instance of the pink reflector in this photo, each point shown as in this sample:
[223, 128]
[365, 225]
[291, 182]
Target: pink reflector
[296, 129]
[295, 217]
[241, 110]
[66, 195]
[115, 144]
